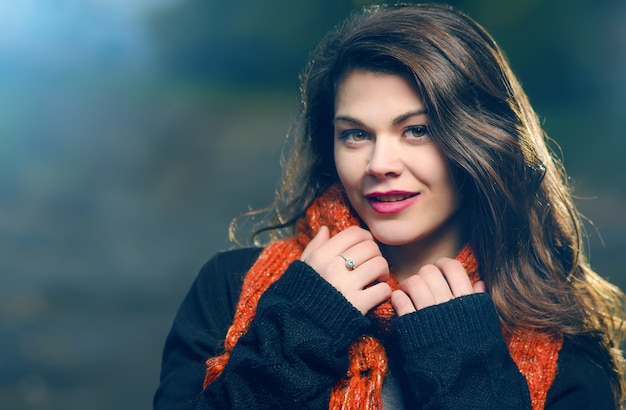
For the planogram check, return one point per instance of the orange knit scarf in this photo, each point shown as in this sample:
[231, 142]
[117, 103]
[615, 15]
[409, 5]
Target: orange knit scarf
[535, 353]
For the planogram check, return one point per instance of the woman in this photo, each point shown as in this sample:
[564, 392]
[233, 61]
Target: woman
[430, 253]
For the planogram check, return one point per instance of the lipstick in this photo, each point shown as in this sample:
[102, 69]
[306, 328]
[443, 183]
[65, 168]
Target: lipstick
[391, 202]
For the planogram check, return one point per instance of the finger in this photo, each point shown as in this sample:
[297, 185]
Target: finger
[436, 282]
[375, 269]
[417, 289]
[401, 303]
[479, 287]
[373, 296]
[334, 246]
[456, 276]
[322, 236]
[350, 237]
[363, 252]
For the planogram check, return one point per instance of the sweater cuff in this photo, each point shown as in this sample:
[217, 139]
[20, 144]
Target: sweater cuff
[469, 318]
[320, 301]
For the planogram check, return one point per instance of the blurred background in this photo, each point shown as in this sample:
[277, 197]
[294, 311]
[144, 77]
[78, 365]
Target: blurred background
[131, 132]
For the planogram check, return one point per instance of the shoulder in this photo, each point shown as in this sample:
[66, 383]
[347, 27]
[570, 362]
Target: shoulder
[581, 382]
[228, 267]
[236, 260]
[211, 301]
[220, 278]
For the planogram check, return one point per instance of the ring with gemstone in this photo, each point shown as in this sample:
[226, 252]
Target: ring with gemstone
[350, 263]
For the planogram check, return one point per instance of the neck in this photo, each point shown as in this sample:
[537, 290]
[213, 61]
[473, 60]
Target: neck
[446, 242]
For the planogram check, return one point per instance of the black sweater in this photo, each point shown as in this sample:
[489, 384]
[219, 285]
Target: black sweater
[448, 356]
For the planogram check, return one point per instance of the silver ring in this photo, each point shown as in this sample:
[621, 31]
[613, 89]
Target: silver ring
[350, 263]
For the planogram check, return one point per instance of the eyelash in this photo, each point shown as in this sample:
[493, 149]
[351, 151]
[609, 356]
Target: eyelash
[422, 130]
[349, 135]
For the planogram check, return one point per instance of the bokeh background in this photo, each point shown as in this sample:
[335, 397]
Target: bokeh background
[131, 132]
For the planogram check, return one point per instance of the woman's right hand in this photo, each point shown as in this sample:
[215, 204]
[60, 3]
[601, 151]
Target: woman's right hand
[364, 286]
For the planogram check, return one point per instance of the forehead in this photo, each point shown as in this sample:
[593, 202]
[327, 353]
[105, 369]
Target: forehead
[371, 93]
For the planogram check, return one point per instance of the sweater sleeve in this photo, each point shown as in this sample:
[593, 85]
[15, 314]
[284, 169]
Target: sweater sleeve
[295, 349]
[455, 357]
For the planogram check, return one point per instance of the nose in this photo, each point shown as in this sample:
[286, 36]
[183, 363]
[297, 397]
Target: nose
[385, 160]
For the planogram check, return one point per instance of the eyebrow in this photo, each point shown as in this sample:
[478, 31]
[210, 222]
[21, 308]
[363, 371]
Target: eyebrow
[396, 121]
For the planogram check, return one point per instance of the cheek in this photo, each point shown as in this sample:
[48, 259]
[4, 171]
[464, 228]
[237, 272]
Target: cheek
[440, 175]
[346, 178]
[343, 168]
[350, 179]
[451, 188]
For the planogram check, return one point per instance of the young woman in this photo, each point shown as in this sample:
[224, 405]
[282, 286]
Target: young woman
[425, 249]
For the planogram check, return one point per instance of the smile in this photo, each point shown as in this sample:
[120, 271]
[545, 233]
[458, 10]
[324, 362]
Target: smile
[391, 202]
[391, 198]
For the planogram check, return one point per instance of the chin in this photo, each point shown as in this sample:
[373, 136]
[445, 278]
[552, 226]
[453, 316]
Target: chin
[392, 239]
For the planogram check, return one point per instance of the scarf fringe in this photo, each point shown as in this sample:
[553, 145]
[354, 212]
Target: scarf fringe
[362, 387]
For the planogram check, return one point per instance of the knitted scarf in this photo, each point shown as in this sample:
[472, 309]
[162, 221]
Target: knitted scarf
[534, 352]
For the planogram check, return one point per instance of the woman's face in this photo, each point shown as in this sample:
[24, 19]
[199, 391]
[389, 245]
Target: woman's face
[396, 178]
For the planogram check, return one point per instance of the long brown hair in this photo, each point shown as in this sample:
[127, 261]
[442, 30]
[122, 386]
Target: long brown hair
[524, 227]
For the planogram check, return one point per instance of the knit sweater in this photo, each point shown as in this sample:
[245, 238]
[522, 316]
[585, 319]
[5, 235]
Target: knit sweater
[296, 349]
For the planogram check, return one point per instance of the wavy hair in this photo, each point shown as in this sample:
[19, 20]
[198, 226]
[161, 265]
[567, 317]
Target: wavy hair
[524, 227]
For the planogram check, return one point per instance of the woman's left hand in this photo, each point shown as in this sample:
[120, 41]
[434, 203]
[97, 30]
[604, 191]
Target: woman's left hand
[434, 284]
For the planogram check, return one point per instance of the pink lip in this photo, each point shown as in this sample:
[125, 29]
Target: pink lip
[392, 207]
